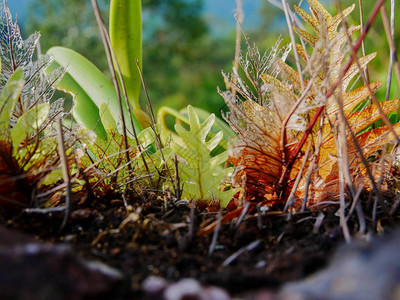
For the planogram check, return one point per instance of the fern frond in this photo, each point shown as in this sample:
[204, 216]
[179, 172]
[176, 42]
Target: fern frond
[202, 175]
[15, 52]
[268, 152]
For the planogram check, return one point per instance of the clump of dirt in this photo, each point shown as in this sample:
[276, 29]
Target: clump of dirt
[153, 237]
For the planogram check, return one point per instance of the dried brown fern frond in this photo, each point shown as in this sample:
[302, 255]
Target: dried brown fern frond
[279, 137]
[257, 127]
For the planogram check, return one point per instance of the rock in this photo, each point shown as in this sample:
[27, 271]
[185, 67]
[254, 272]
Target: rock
[30, 269]
[158, 288]
[360, 271]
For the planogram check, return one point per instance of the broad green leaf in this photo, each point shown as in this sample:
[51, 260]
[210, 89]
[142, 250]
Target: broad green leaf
[83, 76]
[84, 111]
[29, 123]
[8, 99]
[201, 174]
[126, 40]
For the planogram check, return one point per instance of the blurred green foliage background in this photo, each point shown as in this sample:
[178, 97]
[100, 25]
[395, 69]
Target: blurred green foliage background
[182, 58]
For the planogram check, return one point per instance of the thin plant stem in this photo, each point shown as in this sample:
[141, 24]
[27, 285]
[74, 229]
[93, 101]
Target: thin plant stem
[290, 201]
[178, 191]
[289, 22]
[239, 16]
[115, 69]
[341, 144]
[243, 214]
[107, 47]
[283, 141]
[215, 234]
[366, 74]
[152, 116]
[391, 58]
[64, 167]
[393, 52]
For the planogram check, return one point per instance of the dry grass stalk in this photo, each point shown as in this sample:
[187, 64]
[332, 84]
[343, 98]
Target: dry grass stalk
[65, 171]
[111, 62]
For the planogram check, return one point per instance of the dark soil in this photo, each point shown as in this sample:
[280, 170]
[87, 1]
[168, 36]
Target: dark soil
[154, 238]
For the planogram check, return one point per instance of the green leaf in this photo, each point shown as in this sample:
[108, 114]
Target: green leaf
[84, 111]
[29, 123]
[218, 125]
[202, 175]
[147, 137]
[8, 99]
[107, 118]
[89, 86]
[126, 40]
[109, 156]
[53, 177]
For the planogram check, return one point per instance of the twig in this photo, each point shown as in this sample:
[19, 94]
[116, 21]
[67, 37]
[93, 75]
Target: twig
[310, 169]
[64, 166]
[288, 17]
[343, 150]
[355, 201]
[45, 210]
[242, 250]
[366, 74]
[239, 16]
[259, 217]
[283, 140]
[191, 224]
[343, 223]
[308, 181]
[280, 6]
[395, 205]
[318, 222]
[178, 191]
[243, 214]
[290, 201]
[215, 234]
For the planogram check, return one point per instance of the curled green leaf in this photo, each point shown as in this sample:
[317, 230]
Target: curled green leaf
[90, 89]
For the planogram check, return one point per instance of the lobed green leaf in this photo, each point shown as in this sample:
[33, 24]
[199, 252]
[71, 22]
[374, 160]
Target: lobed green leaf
[201, 174]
